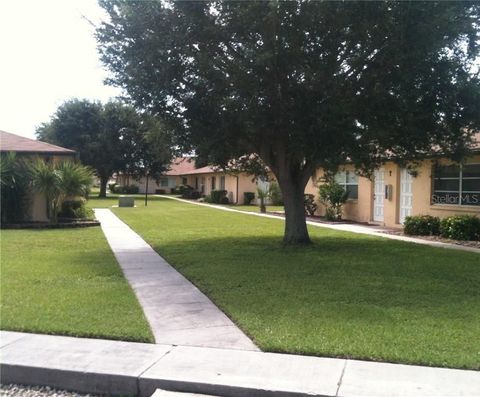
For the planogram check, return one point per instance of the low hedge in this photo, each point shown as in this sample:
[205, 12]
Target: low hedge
[219, 196]
[461, 227]
[127, 189]
[422, 225]
[75, 209]
[248, 197]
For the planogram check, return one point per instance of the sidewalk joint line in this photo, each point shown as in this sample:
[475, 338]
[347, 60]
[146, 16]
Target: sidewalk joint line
[341, 378]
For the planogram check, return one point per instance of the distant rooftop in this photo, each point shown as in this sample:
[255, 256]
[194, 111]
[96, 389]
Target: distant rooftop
[14, 143]
[186, 166]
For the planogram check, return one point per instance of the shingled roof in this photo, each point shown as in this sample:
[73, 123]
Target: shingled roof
[14, 143]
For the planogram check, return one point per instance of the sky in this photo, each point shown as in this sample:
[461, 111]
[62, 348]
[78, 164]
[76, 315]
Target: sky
[47, 55]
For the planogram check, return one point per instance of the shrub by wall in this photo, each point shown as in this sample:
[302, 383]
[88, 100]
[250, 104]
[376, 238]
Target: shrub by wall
[460, 227]
[309, 204]
[422, 225]
[275, 193]
[128, 189]
[248, 197]
[75, 209]
[218, 196]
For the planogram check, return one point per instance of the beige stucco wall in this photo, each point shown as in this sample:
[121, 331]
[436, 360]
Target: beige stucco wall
[153, 186]
[422, 187]
[246, 183]
[361, 210]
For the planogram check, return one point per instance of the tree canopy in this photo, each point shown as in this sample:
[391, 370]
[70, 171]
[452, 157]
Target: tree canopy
[303, 84]
[114, 137]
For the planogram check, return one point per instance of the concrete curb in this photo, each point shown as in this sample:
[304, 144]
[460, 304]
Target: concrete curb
[352, 228]
[127, 368]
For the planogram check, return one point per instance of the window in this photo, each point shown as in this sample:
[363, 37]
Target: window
[196, 183]
[349, 181]
[184, 181]
[222, 182]
[458, 185]
[214, 184]
[164, 182]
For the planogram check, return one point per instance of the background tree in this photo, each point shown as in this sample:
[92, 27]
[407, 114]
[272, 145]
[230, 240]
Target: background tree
[109, 137]
[303, 84]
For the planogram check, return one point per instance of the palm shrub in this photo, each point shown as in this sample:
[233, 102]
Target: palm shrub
[332, 196]
[14, 186]
[59, 181]
[262, 195]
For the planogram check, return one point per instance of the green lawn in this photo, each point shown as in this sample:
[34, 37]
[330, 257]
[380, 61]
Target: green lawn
[348, 295]
[255, 208]
[66, 281]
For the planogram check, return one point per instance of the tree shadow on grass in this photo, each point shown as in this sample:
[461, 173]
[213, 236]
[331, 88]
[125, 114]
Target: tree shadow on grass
[351, 269]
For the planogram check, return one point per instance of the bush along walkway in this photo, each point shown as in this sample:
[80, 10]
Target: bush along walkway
[177, 311]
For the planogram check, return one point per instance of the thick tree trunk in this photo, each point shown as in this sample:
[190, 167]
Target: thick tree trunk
[296, 232]
[103, 186]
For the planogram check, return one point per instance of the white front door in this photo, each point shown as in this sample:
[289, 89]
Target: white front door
[379, 195]
[405, 195]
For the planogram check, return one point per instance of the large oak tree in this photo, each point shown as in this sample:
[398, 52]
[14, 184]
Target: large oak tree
[303, 84]
[111, 137]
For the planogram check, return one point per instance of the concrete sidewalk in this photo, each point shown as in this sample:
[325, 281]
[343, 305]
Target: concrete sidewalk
[177, 311]
[346, 227]
[126, 368]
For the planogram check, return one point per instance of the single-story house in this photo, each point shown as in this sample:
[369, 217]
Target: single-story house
[204, 179]
[169, 180]
[25, 147]
[436, 187]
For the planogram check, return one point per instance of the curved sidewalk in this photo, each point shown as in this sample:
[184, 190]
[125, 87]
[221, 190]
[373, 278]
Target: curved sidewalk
[178, 313]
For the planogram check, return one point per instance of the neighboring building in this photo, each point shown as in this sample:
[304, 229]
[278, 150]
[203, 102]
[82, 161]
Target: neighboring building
[437, 187]
[205, 179]
[31, 148]
[169, 181]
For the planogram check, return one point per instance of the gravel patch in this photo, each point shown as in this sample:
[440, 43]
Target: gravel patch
[37, 391]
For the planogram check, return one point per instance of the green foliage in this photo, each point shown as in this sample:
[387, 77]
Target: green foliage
[262, 195]
[110, 138]
[14, 188]
[218, 196]
[75, 209]
[126, 189]
[422, 225]
[59, 181]
[310, 204]
[461, 227]
[185, 191]
[248, 197]
[332, 196]
[111, 187]
[275, 193]
[302, 83]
